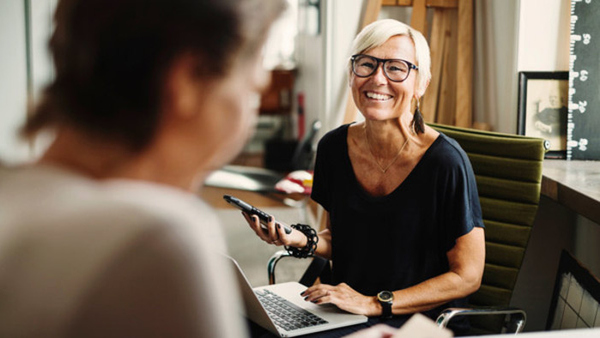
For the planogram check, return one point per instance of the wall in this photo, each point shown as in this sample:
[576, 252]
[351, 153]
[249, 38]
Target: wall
[322, 62]
[495, 86]
[310, 78]
[13, 83]
[344, 23]
[544, 39]
[22, 78]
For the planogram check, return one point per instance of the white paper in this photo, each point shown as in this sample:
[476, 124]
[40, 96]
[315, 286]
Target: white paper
[419, 326]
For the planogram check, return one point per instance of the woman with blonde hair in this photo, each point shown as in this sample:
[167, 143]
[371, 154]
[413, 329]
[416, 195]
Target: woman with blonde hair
[405, 232]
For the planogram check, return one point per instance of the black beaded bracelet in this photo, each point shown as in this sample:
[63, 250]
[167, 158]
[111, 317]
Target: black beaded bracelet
[311, 242]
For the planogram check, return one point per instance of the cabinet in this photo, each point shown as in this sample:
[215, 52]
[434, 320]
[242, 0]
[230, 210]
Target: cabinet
[277, 100]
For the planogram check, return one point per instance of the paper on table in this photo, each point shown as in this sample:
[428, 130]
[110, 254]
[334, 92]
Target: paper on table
[419, 326]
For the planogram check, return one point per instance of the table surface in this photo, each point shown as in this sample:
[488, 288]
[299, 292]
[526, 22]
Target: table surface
[575, 333]
[574, 184]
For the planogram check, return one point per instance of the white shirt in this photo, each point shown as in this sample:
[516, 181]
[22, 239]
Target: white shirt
[86, 258]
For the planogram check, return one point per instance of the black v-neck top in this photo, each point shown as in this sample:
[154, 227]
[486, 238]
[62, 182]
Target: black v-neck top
[395, 241]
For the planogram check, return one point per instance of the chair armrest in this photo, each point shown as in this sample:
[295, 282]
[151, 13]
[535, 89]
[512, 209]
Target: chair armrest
[277, 256]
[319, 268]
[516, 322]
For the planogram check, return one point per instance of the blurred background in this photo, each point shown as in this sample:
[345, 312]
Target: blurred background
[307, 54]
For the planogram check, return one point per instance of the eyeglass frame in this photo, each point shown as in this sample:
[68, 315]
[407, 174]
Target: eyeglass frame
[382, 62]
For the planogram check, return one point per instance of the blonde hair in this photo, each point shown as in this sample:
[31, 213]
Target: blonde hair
[378, 32]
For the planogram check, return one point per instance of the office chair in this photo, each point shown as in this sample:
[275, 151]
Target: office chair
[508, 170]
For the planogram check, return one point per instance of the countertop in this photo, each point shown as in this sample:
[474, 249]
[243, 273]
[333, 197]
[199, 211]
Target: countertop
[574, 184]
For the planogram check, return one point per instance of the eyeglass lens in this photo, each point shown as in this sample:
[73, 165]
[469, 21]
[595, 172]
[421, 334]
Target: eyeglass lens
[395, 70]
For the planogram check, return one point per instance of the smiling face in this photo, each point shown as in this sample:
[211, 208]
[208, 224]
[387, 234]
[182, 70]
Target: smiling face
[378, 98]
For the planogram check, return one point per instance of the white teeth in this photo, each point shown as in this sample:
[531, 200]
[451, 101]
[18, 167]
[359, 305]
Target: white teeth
[378, 96]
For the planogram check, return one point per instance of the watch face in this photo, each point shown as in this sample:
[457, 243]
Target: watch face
[385, 296]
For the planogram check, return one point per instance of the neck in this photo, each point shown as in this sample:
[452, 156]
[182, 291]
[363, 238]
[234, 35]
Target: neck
[386, 137]
[102, 159]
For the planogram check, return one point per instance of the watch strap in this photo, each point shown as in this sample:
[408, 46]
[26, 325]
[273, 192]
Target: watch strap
[387, 309]
[386, 298]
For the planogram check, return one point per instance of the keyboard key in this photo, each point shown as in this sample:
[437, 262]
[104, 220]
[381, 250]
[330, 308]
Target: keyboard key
[286, 314]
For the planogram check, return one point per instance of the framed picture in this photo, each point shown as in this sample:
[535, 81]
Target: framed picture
[576, 297]
[543, 101]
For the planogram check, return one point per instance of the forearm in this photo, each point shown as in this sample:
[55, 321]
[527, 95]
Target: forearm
[424, 296]
[433, 293]
[324, 245]
[466, 261]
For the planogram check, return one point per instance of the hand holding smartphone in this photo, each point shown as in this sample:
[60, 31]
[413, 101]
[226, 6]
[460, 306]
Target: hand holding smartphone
[249, 209]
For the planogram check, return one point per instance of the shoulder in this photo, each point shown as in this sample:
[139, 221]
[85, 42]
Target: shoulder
[74, 213]
[181, 238]
[162, 208]
[167, 269]
[335, 136]
[448, 153]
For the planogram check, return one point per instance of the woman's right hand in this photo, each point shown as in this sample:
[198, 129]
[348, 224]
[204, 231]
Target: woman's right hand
[275, 234]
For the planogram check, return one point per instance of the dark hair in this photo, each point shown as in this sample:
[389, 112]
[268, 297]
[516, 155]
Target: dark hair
[111, 57]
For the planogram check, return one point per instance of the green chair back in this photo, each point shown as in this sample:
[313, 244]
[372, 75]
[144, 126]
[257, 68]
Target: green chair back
[508, 169]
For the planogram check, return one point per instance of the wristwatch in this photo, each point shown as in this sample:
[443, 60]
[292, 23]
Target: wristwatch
[386, 298]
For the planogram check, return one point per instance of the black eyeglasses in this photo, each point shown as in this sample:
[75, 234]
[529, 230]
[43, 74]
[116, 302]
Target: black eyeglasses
[396, 70]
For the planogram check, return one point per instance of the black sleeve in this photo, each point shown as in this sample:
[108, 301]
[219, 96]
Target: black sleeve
[463, 211]
[321, 192]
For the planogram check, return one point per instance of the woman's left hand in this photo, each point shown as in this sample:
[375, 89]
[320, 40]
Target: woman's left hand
[344, 297]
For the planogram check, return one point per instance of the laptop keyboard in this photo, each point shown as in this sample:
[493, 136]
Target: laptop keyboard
[286, 314]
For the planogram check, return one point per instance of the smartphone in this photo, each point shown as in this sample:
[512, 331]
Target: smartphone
[249, 209]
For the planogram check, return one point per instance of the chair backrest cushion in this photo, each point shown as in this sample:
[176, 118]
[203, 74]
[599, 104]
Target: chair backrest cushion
[508, 170]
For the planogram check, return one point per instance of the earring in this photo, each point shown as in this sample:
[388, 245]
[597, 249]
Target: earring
[417, 122]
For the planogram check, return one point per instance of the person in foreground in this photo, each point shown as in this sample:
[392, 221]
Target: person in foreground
[104, 236]
[405, 232]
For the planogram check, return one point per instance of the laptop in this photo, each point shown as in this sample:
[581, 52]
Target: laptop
[280, 309]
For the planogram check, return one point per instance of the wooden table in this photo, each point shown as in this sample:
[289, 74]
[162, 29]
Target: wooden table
[574, 184]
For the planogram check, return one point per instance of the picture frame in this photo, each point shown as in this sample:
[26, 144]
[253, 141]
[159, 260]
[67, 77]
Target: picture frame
[576, 296]
[543, 109]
